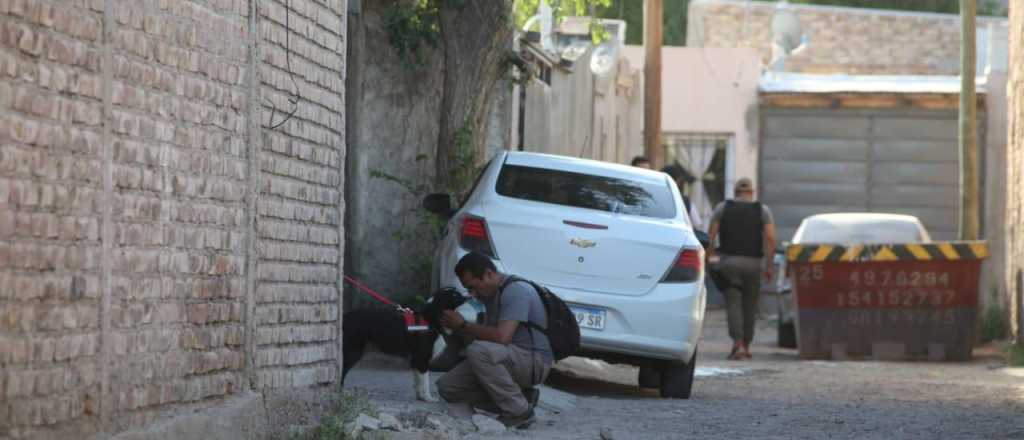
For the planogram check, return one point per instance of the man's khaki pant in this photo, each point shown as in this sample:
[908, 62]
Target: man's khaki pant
[496, 373]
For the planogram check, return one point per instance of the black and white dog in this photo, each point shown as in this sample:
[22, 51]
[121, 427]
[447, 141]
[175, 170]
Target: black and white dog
[386, 329]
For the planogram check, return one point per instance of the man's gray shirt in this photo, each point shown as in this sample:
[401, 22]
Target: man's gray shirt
[521, 302]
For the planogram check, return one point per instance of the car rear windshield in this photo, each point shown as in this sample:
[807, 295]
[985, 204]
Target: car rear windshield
[586, 191]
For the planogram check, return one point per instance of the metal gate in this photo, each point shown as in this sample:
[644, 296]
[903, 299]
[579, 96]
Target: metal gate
[819, 160]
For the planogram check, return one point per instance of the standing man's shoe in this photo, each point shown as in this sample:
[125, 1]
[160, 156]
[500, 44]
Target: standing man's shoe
[737, 352]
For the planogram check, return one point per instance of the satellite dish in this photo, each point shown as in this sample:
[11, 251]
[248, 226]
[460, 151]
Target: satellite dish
[788, 37]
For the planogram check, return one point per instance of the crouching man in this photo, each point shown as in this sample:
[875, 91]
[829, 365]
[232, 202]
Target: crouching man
[508, 355]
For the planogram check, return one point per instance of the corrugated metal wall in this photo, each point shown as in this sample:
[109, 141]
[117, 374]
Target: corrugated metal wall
[818, 160]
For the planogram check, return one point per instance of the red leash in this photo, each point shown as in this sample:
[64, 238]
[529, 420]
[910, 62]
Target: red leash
[370, 292]
[413, 322]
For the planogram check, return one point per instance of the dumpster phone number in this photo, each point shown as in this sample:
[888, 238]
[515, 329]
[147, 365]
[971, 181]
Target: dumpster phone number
[887, 288]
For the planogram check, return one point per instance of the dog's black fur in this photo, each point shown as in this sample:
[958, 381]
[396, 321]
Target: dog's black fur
[385, 329]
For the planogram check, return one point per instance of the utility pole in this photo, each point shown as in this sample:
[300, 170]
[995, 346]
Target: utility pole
[652, 83]
[969, 203]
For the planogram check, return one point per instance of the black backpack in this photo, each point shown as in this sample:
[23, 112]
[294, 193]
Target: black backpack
[563, 331]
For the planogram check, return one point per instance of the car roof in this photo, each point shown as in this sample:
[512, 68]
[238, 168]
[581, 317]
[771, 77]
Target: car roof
[860, 227]
[586, 166]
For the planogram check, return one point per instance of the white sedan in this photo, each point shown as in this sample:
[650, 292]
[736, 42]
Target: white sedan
[612, 241]
[841, 228]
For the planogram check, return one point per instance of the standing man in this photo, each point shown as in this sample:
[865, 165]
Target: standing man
[508, 356]
[747, 235]
[641, 162]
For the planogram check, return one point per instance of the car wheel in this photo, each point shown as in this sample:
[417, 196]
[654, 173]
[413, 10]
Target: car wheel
[677, 379]
[787, 335]
[649, 376]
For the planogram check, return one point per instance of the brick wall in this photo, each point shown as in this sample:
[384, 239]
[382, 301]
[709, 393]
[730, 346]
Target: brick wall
[297, 305]
[843, 40]
[1015, 174]
[161, 246]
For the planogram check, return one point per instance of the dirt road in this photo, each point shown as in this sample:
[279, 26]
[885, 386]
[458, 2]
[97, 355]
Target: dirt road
[776, 395]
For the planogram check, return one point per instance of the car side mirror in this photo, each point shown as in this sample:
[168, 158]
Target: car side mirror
[440, 204]
[703, 238]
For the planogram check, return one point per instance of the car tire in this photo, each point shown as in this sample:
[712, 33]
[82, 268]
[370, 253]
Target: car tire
[787, 335]
[649, 376]
[677, 379]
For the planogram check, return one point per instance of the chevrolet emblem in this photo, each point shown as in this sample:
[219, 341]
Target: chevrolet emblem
[582, 243]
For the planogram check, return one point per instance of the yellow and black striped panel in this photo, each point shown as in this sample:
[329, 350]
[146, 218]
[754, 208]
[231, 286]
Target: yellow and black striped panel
[940, 251]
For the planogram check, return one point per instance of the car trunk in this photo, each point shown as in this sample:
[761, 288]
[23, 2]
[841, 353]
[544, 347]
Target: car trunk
[579, 248]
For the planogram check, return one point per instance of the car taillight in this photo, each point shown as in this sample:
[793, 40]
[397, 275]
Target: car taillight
[686, 267]
[475, 237]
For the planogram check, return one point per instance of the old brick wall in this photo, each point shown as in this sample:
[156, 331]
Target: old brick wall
[1015, 174]
[297, 305]
[843, 40]
[162, 247]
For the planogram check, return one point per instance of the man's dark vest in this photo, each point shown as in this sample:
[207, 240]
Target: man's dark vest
[742, 230]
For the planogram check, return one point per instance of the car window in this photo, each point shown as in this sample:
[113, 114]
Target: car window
[820, 231]
[586, 191]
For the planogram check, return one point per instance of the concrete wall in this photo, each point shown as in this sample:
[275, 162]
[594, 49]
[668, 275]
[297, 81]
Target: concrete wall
[393, 129]
[1014, 251]
[161, 248]
[842, 40]
[392, 134]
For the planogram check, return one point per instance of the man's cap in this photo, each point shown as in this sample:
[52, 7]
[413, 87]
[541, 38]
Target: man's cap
[744, 184]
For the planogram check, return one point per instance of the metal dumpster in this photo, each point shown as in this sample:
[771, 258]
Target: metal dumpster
[886, 301]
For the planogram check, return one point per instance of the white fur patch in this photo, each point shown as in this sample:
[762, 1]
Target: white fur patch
[421, 386]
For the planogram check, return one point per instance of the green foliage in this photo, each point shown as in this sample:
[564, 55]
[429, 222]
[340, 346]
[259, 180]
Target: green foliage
[524, 9]
[993, 325]
[1015, 355]
[413, 30]
[332, 427]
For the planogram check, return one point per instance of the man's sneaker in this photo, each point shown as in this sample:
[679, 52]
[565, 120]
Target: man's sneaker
[521, 421]
[532, 396]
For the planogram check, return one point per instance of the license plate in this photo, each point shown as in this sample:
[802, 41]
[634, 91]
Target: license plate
[590, 317]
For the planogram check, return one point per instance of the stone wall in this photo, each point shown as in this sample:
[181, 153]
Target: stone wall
[1015, 174]
[162, 248]
[842, 40]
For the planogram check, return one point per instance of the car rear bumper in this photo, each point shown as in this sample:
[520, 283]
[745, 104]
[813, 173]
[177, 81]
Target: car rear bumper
[663, 324]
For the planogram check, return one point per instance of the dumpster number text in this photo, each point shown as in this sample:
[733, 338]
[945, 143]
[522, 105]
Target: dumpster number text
[887, 278]
[885, 288]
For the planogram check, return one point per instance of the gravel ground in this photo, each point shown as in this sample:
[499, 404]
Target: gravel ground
[776, 395]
